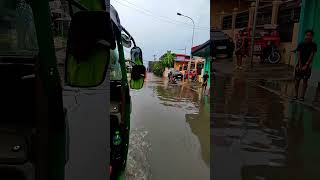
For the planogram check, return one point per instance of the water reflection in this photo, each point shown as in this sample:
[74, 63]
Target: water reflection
[261, 135]
[177, 121]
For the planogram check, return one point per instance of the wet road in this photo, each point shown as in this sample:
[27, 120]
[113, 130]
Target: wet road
[170, 134]
[257, 135]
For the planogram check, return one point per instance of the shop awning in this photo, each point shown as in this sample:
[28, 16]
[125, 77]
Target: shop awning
[202, 50]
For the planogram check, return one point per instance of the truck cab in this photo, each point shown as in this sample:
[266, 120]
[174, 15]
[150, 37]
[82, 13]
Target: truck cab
[34, 128]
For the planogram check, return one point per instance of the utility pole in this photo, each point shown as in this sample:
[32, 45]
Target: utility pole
[254, 30]
[189, 63]
[154, 57]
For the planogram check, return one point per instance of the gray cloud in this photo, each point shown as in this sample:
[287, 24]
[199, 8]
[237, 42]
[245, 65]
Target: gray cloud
[146, 22]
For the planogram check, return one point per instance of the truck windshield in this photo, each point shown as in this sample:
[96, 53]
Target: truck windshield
[17, 30]
[115, 68]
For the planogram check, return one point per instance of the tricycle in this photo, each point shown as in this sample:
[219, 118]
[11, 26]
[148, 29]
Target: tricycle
[266, 43]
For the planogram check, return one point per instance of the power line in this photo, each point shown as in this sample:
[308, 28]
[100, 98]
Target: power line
[172, 21]
[168, 21]
[151, 12]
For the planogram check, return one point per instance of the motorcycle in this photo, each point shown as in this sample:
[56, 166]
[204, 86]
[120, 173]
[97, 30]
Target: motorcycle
[172, 80]
[270, 54]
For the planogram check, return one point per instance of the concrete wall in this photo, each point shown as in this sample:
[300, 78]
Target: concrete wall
[217, 6]
[178, 64]
[232, 33]
[166, 72]
[285, 47]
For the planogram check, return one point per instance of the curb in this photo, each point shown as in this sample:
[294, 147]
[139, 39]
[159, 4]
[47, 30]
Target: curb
[310, 105]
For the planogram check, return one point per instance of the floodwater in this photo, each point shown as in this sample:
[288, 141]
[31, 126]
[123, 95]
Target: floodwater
[257, 135]
[170, 134]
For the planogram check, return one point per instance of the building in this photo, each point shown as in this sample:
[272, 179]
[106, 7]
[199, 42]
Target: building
[181, 62]
[60, 16]
[238, 14]
[203, 51]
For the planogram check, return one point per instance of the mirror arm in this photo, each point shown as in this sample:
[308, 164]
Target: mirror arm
[131, 62]
[104, 43]
[134, 43]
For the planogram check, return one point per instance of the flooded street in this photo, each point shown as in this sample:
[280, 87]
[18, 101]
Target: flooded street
[169, 132]
[257, 134]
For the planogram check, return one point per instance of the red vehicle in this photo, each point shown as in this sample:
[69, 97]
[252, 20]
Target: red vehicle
[192, 74]
[266, 43]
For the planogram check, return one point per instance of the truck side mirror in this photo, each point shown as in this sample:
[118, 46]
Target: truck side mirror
[138, 71]
[90, 40]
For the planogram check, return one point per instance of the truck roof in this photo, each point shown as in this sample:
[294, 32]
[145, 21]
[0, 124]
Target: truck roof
[115, 17]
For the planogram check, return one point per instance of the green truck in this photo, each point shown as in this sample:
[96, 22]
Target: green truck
[34, 129]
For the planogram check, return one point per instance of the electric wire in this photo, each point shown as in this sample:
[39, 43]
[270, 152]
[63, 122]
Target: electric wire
[164, 17]
[161, 19]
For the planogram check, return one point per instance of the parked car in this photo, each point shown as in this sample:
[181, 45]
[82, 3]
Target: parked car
[222, 43]
[176, 74]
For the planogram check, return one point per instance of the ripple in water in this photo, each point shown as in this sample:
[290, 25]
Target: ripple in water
[138, 164]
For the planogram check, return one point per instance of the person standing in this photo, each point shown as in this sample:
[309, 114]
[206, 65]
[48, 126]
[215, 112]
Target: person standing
[239, 50]
[205, 81]
[306, 51]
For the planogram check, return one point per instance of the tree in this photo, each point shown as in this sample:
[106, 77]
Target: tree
[168, 59]
[158, 68]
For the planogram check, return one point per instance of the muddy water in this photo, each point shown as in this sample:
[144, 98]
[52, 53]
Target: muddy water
[258, 135]
[170, 134]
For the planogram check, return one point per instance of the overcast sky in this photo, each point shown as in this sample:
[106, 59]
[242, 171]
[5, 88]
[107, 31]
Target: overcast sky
[156, 28]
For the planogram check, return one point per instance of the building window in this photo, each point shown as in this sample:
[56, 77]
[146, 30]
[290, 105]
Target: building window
[289, 14]
[242, 19]
[192, 66]
[227, 22]
[264, 15]
[286, 32]
[185, 68]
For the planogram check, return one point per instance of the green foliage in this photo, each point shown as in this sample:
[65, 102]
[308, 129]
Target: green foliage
[158, 68]
[166, 60]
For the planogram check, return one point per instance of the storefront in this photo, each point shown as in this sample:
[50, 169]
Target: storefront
[181, 62]
[203, 51]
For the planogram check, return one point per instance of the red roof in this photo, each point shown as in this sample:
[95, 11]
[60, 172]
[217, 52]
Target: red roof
[194, 47]
[181, 55]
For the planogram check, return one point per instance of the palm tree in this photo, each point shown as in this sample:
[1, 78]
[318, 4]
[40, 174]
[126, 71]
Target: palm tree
[168, 59]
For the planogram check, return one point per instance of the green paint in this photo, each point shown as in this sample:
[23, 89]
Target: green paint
[117, 139]
[124, 83]
[93, 5]
[48, 73]
[90, 72]
[207, 67]
[205, 53]
[309, 18]
[137, 84]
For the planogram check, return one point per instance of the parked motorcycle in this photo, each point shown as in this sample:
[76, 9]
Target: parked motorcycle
[271, 54]
[172, 80]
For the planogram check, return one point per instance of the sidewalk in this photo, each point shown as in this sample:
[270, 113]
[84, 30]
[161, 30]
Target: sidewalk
[275, 78]
[285, 89]
[258, 71]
